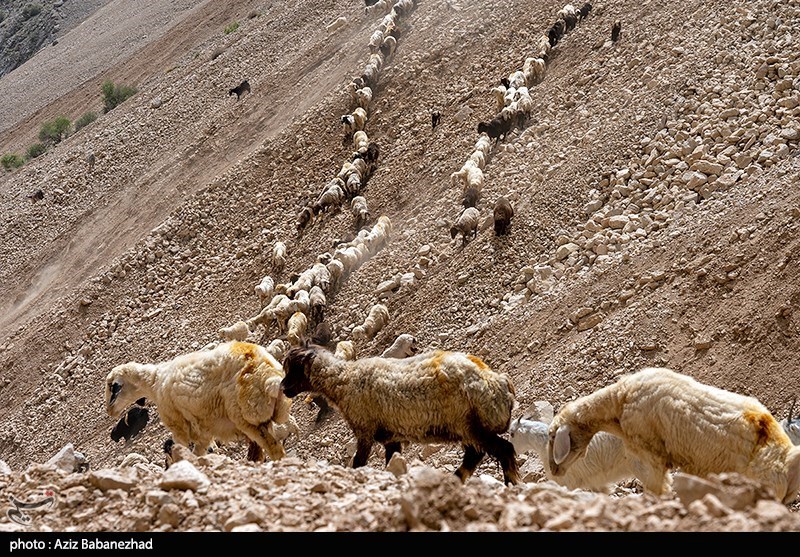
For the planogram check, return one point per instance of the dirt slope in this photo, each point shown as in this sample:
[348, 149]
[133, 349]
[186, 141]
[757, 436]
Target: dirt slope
[656, 224]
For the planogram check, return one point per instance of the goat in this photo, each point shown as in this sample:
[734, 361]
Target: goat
[241, 89]
[503, 211]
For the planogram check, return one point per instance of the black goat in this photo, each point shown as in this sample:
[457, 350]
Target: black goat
[498, 127]
[38, 195]
[570, 20]
[241, 89]
[555, 32]
[615, 29]
[435, 118]
[131, 424]
[505, 82]
[585, 9]
[471, 197]
[503, 211]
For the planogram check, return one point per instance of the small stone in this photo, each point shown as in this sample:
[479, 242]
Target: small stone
[790, 134]
[110, 479]
[708, 168]
[64, 459]
[702, 343]
[170, 514]
[618, 221]
[247, 528]
[397, 465]
[156, 103]
[157, 497]
[240, 519]
[183, 475]
[566, 250]
[5, 470]
[589, 322]
[430, 450]
[320, 487]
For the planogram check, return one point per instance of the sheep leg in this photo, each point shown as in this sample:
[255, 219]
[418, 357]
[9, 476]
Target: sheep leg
[472, 457]
[653, 474]
[272, 447]
[254, 452]
[503, 451]
[363, 448]
[391, 448]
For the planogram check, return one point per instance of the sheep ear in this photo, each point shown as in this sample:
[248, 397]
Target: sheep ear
[561, 444]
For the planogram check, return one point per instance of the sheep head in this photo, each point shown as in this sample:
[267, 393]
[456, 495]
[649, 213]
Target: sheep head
[297, 369]
[567, 442]
[124, 386]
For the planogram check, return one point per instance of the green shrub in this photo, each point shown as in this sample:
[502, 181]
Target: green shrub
[10, 161]
[55, 130]
[31, 10]
[114, 95]
[232, 27]
[85, 120]
[35, 150]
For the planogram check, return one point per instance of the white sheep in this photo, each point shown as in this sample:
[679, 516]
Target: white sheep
[278, 349]
[534, 69]
[363, 98]
[380, 6]
[517, 80]
[360, 140]
[336, 270]
[345, 350]
[484, 144]
[296, 328]
[479, 158]
[375, 40]
[466, 224]
[224, 394]
[377, 318]
[265, 289]
[404, 346]
[318, 304]
[388, 46]
[360, 117]
[331, 196]
[237, 331]
[353, 184]
[470, 175]
[337, 24]
[434, 397]
[358, 206]
[376, 59]
[605, 463]
[499, 94]
[279, 256]
[669, 420]
[543, 47]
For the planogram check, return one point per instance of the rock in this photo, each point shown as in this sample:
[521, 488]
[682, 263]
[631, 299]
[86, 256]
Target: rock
[239, 519]
[564, 251]
[696, 179]
[430, 450]
[64, 459]
[462, 114]
[111, 479]
[702, 343]
[589, 322]
[133, 458]
[155, 103]
[183, 475]
[170, 514]
[790, 134]
[397, 465]
[708, 168]
[157, 497]
[5, 470]
[247, 528]
[769, 510]
[618, 221]
[691, 488]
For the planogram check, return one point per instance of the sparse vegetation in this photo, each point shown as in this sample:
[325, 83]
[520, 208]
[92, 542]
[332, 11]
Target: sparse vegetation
[114, 95]
[54, 131]
[232, 27]
[85, 120]
[10, 161]
[35, 150]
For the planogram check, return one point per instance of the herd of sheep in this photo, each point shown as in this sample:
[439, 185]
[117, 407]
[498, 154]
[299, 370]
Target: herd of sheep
[643, 426]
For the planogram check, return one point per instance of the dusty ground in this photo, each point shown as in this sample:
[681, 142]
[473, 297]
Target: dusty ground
[657, 219]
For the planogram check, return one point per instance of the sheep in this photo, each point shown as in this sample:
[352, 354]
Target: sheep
[323, 334]
[241, 89]
[615, 30]
[555, 32]
[479, 158]
[360, 116]
[331, 196]
[534, 69]
[364, 97]
[503, 212]
[224, 394]
[336, 270]
[517, 80]
[605, 463]
[404, 346]
[375, 40]
[377, 318]
[499, 93]
[318, 304]
[265, 289]
[669, 420]
[37, 195]
[296, 330]
[374, 6]
[471, 197]
[278, 256]
[338, 23]
[466, 224]
[497, 128]
[543, 48]
[388, 46]
[470, 175]
[584, 11]
[433, 397]
[484, 144]
[360, 140]
[237, 331]
[436, 117]
[278, 348]
[131, 424]
[345, 350]
[792, 425]
[360, 211]
[370, 76]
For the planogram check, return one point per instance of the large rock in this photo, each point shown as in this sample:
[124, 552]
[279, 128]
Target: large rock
[111, 479]
[65, 459]
[183, 475]
[5, 470]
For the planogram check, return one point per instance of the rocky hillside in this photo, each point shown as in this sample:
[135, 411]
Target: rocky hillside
[656, 223]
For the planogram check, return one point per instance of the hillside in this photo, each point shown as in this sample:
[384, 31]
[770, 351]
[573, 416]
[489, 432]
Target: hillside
[656, 224]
